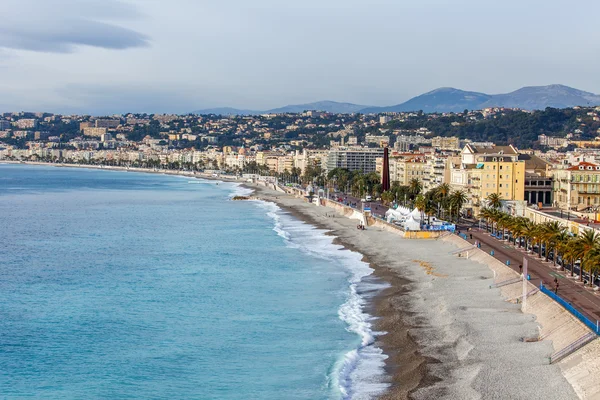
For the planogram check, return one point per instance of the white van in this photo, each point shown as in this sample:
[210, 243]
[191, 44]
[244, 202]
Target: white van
[368, 198]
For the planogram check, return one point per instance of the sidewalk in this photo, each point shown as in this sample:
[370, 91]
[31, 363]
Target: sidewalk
[569, 289]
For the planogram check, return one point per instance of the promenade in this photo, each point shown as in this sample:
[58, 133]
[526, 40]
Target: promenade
[582, 298]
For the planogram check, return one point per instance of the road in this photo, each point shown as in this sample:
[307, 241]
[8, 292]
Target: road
[584, 299]
[377, 208]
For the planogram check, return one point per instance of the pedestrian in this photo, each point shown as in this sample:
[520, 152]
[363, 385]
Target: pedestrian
[555, 281]
[556, 288]
[521, 269]
[471, 236]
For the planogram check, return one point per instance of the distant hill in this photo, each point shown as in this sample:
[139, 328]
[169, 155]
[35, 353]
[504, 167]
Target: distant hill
[438, 100]
[540, 97]
[225, 111]
[445, 100]
[328, 106]
[527, 98]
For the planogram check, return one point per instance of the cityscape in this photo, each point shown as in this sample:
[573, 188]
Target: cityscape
[299, 200]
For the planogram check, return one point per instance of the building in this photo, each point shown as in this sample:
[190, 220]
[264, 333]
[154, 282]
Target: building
[93, 131]
[577, 187]
[384, 119]
[381, 141]
[4, 125]
[404, 168]
[538, 181]
[107, 123]
[445, 143]
[353, 159]
[486, 170]
[553, 142]
[27, 123]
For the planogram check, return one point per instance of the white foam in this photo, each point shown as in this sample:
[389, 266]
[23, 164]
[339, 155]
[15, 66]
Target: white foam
[238, 189]
[359, 373]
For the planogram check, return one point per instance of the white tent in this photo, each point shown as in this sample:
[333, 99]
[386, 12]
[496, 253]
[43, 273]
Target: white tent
[411, 224]
[416, 214]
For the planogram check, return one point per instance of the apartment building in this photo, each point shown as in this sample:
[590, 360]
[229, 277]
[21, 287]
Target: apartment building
[445, 143]
[578, 186]
[353, 159]
[486, 170]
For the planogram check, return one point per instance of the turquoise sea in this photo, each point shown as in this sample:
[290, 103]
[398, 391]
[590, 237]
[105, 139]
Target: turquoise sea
[118, 285]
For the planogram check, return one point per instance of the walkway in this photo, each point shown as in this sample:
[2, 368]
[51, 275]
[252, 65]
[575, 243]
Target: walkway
[585, 300]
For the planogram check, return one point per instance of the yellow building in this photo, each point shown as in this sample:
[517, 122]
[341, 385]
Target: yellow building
[405, 167]
[486, 170]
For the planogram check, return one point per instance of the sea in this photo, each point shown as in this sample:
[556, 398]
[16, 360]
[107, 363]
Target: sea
[122, 285]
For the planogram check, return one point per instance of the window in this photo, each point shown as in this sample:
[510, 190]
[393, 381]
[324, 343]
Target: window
[501, 167]
[507, 195]
[500, 185]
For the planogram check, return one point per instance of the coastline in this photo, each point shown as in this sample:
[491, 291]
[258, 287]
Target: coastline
[405, 367]
[447, 334]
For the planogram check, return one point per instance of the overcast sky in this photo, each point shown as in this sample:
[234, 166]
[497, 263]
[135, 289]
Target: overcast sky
[107, 56]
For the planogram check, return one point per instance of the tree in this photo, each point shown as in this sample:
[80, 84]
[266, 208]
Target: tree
[457, 199]
[587, 241]
[421, 204]
[387, 197]
[414, 187]
[494, 200]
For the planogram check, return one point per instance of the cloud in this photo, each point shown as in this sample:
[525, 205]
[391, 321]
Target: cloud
[60, 26]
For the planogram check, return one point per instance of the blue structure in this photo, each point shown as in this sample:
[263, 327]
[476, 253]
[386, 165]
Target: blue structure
[594, 326]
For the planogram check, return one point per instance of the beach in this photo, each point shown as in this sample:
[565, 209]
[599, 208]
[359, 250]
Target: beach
[445, 332]
[448, 335]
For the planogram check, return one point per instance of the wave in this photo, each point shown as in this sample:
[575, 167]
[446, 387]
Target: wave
[359, 373]
[237, 189]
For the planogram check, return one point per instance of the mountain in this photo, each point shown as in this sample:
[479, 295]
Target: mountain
[540, 97]
[446, 100]
[527, 98]
[225, 111]
[328, 106]
[438, 100]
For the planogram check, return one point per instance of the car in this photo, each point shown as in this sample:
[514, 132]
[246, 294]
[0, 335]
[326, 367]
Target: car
[368, 198]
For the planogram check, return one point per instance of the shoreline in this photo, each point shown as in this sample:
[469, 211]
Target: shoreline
[447, 334]
[405, 367]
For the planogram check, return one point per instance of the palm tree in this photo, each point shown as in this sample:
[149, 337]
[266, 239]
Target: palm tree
[562, 241]
[572, 251]
[421, 204]
[529, 232]
[552, 230]
[592, 263]
[494, 200]
[414, 187]
[587, 241]
[443, 190]
[457, 199]
[387, 197]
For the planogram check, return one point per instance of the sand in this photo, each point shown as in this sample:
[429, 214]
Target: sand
[449, 336]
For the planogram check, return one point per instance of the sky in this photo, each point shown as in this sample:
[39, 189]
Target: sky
[176, 56]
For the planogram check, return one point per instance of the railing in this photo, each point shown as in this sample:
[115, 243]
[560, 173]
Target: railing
[594, 326]
[506, 282]
[573, 347]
